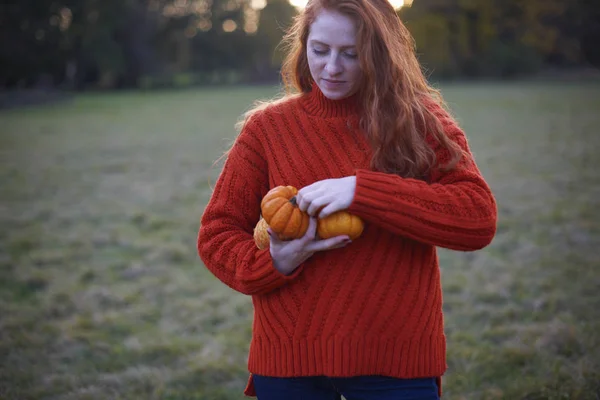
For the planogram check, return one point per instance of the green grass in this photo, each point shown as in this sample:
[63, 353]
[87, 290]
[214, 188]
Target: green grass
[102, 294]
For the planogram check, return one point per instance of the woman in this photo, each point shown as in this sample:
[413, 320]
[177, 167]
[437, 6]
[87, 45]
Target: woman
[365, 133]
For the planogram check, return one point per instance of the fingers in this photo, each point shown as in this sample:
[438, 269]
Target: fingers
[328, 210]
[311, 231]
[325, 197]
[308, 201]
[328, 244]
[314, 203]
[307, 244]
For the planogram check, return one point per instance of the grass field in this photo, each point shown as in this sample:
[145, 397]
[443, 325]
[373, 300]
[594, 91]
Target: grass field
[102, 294]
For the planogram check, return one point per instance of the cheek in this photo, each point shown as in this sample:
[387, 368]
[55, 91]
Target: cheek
[313, 63]
[355, 71]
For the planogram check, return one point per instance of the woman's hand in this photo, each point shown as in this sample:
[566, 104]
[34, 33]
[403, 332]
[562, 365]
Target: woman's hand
[325, 197]
[289, 254]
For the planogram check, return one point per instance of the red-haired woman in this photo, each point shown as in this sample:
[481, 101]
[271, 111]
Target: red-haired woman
[359, 129]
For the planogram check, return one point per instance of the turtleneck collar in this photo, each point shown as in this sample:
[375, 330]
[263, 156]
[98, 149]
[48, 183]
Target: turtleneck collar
[315, 103]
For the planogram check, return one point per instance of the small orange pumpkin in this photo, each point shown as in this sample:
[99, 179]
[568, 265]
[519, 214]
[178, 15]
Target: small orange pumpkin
[281, 213]
[261, 236]
[340, 223]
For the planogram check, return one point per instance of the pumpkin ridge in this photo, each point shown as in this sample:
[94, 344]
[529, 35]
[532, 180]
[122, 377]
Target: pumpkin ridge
[280, 218]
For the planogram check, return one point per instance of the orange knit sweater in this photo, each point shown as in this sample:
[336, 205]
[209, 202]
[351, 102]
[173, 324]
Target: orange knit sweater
[372, 307]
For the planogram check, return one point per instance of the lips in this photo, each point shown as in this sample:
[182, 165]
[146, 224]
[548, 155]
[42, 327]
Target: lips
[331, 84]
[332, 81]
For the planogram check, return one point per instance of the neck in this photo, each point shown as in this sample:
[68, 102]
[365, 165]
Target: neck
[316, 103]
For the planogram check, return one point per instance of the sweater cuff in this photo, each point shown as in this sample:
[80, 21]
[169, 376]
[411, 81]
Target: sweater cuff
[364, 202]
[266, 278]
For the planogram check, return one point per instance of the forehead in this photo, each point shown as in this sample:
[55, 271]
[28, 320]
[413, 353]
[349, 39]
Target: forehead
[333, 28]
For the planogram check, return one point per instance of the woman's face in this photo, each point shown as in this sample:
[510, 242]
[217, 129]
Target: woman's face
[332, 54]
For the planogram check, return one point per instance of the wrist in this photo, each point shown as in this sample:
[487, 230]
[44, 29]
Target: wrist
[283, 268]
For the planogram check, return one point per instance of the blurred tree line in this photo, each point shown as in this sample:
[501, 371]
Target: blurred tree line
[504, 38]
[155, 43]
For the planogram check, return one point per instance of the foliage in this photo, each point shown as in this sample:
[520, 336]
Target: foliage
[115, 43]
[496, 38]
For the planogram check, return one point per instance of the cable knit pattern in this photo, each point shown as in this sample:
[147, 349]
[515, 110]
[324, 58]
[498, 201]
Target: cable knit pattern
[373, 307]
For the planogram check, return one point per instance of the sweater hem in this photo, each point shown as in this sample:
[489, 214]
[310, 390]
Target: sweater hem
[347, 357]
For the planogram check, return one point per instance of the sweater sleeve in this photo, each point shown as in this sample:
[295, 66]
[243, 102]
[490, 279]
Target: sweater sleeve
[454, 210]
[225, 239]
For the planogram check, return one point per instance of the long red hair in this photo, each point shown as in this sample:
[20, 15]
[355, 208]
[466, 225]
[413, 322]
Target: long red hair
[396, 98]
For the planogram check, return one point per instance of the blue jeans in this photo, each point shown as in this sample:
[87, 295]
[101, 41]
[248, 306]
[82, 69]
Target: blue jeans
[355, 388]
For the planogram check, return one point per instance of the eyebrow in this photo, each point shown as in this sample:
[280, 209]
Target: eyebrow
[314, 41]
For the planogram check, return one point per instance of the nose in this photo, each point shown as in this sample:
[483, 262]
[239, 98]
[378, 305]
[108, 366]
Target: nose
[333, 66]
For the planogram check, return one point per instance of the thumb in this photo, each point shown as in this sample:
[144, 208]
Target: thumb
[273, 237]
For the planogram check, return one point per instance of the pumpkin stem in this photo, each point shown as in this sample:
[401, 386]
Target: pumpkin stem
[293, 201]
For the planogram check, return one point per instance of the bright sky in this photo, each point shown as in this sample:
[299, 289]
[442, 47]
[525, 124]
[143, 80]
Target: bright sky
[302, 3]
